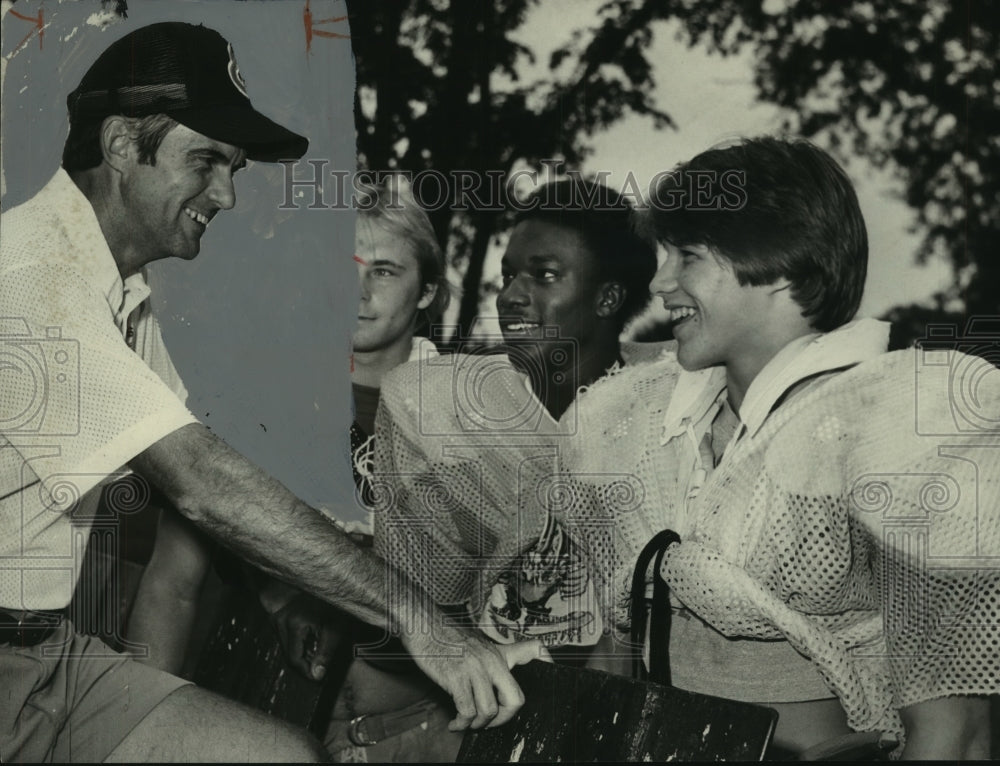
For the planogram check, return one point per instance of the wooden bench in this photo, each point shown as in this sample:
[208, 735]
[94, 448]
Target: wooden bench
[243, 660]
[578, 715]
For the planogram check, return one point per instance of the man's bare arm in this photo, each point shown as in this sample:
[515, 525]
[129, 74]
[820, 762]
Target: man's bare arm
[254, 515]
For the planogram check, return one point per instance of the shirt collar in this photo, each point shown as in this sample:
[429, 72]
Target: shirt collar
[699, 391]
[77, 222]
[695, 394]
[570, 415]
[810, 355]
[421, 348]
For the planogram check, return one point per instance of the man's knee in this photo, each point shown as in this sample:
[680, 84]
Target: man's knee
[215, 729]
[295, 744]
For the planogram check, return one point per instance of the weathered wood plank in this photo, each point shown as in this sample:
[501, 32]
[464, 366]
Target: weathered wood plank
[578, 715]
[243, 660]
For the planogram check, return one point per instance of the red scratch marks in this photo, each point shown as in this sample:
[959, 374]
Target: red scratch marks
[311, 25]
[38, 24]
[352, 362]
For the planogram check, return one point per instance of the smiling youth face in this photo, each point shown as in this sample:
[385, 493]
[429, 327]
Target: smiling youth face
[168, 205]
[550, 279]
[715, 319]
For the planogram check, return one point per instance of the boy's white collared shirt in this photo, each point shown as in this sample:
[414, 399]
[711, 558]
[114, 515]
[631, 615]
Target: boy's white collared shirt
[701, 394]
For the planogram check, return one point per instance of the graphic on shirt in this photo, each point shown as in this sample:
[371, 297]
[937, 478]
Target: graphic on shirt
[34, 372]
[548, 595]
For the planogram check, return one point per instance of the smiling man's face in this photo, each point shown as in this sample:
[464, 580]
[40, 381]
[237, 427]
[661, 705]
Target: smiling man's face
[169, 204]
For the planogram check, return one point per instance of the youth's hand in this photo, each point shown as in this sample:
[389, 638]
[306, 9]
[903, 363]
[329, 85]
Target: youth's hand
[523, 652]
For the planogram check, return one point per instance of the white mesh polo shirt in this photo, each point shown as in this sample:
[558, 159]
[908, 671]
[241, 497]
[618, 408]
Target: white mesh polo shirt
[76, 401]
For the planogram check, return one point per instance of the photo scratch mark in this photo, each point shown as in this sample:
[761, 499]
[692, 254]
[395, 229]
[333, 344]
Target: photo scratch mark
[38, 23]
[311, 25]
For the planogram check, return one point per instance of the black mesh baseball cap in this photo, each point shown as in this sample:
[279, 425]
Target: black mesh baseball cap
[188, 72]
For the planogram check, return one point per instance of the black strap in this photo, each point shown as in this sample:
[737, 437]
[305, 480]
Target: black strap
[28, 627]
[657, 611]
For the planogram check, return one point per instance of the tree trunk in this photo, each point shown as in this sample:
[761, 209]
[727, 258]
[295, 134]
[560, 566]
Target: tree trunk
[468, 308]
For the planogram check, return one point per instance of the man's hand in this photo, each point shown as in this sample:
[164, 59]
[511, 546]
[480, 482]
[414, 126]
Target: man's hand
[475, 672]
[309, 634]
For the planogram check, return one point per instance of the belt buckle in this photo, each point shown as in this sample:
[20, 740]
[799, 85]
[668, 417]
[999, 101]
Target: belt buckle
[27, 628]
[354, 733]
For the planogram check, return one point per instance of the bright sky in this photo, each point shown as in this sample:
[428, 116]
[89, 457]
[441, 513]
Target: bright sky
[711, 98]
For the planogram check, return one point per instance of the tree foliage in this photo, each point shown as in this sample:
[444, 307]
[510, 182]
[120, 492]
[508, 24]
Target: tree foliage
[911, 85]
[439, 88]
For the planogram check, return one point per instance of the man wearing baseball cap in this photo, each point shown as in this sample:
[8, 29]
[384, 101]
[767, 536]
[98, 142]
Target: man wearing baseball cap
[158, 126]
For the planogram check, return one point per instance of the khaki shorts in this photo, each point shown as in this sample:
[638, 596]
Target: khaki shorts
[71, 698]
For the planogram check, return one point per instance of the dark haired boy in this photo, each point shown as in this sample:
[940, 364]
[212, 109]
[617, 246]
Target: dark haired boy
[575, 264]
[486, 430]
[815, 571]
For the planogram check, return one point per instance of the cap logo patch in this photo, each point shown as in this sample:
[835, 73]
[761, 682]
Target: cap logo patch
[234, 73]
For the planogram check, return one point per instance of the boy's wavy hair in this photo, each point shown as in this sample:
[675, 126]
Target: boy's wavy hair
[798, 218]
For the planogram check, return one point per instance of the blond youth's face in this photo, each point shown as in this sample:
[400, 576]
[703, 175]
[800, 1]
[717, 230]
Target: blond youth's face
[391, 290]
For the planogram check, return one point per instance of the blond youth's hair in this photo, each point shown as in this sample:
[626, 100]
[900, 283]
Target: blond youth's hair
[390, 204]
